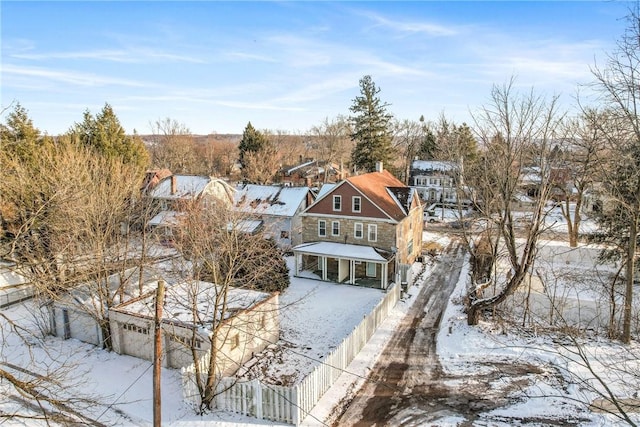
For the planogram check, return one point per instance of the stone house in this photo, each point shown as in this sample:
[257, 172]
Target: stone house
[365, 230]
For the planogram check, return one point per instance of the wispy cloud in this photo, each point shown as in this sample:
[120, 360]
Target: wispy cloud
[70, 77]
[133, 55]
[411, 27]
[321, 89]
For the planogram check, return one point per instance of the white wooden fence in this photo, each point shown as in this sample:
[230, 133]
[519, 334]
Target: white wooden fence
[292, 404]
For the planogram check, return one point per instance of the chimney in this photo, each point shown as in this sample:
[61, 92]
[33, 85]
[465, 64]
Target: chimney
[379, 167]
[174, 185]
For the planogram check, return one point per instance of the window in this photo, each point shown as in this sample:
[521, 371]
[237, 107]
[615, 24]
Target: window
[263, 321]
[371, 269]
[410, 247]
[235, 341]
[335, 228]
[188, 342]
[358, 230]
[337, 203]
[355, 203]
[135, 328]
[373, 232]
[322, 228]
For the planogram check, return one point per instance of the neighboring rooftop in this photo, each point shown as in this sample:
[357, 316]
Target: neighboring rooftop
[433, 165]
[269, 199]
[179, 300]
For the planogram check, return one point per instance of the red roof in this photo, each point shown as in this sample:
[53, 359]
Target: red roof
[385, 190]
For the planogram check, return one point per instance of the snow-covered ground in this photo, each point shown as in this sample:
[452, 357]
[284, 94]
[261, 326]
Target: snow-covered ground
[315, 317]
[565, 385]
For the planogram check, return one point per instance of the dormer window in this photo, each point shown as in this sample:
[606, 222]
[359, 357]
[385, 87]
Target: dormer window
[356, 203]
[337, 203]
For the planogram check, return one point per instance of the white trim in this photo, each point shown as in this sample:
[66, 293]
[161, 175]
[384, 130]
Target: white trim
[385, 220]
[369, 265]
[355, 230]
[324, 222]
[333, 228]
[371, 227]
[338, 198]
[353, 204]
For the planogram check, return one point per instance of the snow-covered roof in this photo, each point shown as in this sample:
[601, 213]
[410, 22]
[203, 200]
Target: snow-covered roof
[342, 250]
[124, 286]
[246, 226]
[433, 165]
[325, 189]
[179, 299]
[186, 186]
[9, 275]
[269, 199]
[294, 168]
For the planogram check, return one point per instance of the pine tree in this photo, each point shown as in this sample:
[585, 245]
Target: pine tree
[428, 147]
[372, 128]
[19, 138]
[252, 142]
[104, 134]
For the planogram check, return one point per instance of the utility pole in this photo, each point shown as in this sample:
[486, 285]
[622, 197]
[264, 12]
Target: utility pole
[157, 356]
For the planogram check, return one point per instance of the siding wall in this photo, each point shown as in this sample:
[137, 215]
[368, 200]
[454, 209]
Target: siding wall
[255, 329]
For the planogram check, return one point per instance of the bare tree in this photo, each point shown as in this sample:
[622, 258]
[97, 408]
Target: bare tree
[618, 84]
[332, 137]
[577, 162]
[69, 214]
[173, 146]
[516, 130]
[407, 137]
[218, 250]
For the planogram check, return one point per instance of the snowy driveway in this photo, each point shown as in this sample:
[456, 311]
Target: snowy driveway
[407, 385]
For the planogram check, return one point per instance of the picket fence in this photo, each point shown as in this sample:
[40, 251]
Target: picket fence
[291, 404]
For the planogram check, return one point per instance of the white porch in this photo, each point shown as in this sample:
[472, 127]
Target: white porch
[345, 263]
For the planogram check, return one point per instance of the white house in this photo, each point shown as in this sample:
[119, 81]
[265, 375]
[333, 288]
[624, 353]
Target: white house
[248, 323]
[173, 190]
[278, 207]
[14, 287]
[435, 180]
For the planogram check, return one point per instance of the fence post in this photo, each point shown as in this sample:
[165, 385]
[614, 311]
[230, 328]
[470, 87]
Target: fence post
[257, 398]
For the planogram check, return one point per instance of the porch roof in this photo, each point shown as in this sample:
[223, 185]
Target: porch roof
[344, 250]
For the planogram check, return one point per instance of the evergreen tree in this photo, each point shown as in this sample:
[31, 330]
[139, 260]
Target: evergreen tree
[428, 147]
[252, 142]
[371, 128]
[466, 143]
[19, 138]
[104, 134]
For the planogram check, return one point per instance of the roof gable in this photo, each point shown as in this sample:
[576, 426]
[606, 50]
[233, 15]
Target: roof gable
[389, 195]
[385, 190]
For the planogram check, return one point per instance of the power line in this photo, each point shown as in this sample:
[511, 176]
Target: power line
[126, 390]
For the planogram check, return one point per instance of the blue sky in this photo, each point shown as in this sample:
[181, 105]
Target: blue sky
[288, 65]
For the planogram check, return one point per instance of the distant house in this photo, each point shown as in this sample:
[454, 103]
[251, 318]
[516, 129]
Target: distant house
[76, 314]
[277, 208]
[312, 173]
[14, 286]
[249, 323]
[435, 180]
[365, 230]
[174, 191]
